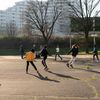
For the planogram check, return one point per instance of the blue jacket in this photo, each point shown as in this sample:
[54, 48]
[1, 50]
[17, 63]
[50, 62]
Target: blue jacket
[44, 52]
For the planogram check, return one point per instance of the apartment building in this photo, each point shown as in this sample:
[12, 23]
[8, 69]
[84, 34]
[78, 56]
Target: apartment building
[14, 15]
[63, 23]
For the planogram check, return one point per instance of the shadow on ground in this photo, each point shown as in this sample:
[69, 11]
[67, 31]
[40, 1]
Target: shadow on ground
[41, 77]
[63, 76]
[88, 70]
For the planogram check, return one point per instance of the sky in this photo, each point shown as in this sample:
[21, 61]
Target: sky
[4, 4]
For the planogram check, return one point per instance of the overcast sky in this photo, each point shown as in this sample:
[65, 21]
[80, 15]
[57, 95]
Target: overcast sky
[4, 4]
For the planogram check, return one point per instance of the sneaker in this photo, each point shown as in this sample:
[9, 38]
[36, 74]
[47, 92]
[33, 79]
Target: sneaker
[26, 72]
[97, 60]
[46, 69]
[71, 66]
[38, 72]
[67, 65]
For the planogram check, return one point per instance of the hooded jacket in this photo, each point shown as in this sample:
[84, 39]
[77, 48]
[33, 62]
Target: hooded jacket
[30, 56]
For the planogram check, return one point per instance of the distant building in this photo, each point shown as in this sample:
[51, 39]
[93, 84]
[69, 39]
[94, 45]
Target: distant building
[14, 15]
[62, 25]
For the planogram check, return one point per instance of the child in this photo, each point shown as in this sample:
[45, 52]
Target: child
[44, 53]
[74, 51]
[21, 51]
[95, 54]
[30, 56]
[57, 53]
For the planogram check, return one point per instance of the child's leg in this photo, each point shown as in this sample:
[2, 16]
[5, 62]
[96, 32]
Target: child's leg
[46, 67]
[43, 62]
[97, 57]
[22, 54]
[33, 65]
[72, 61]
[74, 58]
[56, 56]
[59, 56]
[27, 66]
[93, 57]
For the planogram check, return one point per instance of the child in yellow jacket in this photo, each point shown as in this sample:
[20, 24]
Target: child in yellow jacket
[30, 56]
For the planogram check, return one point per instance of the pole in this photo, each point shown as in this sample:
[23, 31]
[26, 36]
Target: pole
[70, 36]
[70, 41]
[94, 41]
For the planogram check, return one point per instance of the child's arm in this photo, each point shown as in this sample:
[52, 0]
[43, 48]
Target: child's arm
[69, 51]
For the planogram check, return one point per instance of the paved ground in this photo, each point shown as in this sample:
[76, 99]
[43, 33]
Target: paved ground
[59, 83]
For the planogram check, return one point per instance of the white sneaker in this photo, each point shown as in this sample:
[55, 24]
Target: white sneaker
[97, 60]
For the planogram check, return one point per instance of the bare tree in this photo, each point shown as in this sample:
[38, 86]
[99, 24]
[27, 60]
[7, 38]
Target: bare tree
[27, 29]
[83, 12]
[11, 29]
[38, 16]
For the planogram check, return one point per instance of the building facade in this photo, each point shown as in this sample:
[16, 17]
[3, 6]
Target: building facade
[15, 15]
[12, 15]
[63, 23]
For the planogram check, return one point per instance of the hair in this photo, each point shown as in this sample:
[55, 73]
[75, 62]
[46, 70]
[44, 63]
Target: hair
[32, 50]
[45, 46]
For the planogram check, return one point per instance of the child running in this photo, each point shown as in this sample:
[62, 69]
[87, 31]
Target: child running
[44, 53]
[30, 56]
[74, 50]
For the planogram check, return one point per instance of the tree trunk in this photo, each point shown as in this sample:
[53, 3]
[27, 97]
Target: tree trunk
[46, 41]
[87, 42]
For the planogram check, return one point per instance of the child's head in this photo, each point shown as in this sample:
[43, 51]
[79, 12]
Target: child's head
[45, 46]
[32, 50]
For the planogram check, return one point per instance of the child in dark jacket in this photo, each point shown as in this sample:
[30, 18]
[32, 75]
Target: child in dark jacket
[44, 53]
[21, 49]
[95, 54]
[74, 50]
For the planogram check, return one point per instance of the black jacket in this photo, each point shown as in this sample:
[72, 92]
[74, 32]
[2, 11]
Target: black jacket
[74, 51]
[95, 50]
[44, 52]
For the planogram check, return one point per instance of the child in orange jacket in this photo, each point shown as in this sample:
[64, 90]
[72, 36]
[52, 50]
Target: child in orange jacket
[30, 56]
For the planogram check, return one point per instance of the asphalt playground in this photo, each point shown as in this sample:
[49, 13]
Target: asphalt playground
[59, 83]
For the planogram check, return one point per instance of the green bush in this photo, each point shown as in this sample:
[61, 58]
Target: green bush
[10, 45]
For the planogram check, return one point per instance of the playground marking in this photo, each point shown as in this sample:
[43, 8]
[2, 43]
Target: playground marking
[91, 86]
